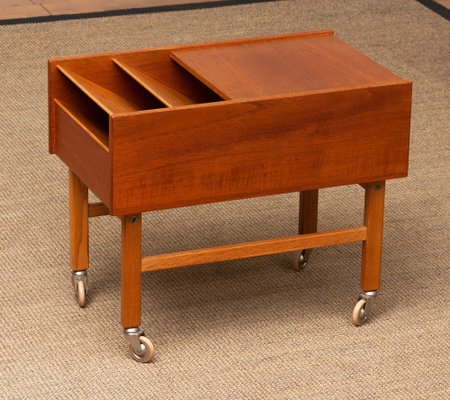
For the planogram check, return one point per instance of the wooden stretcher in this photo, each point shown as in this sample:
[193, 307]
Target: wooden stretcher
[177, 126]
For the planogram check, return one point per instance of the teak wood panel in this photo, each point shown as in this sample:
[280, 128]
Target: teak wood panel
[82, 154]
[109, 101]
[103, 72]
[288, 65]
[232, 150]
[101, 69]
[156, 65]
[166, 94]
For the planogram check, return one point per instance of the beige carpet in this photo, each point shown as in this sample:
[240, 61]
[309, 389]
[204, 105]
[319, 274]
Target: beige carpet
[250, 329]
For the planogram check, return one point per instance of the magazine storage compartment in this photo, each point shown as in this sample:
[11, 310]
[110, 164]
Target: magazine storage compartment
[203, 123]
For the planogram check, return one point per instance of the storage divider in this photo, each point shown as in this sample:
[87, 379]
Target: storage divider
[125, 83]
[167, 95]
[135, 98]
[164, 78]
[108, 100]
[95, 128]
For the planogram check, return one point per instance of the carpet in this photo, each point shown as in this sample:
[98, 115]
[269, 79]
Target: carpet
[248, 329]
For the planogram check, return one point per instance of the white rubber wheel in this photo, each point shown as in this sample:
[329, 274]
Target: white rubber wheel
[359, 313]
[81, 293]
[148, 350]
[300, 261]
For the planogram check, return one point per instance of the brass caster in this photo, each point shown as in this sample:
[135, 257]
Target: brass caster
[362, 308]
[141, 348]
[79, 283]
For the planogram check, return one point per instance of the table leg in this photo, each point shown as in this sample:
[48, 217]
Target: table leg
[141, 348]
[79, 236]
[309, 209]
[79, 229]
[371, 253]
[131, 271]
[373, 221]
[308, 214]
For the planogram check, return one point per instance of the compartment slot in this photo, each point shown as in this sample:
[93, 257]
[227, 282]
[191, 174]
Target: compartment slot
[163, 79]
[167, 95]
[94, 126]
[109, 101]
[83, 110]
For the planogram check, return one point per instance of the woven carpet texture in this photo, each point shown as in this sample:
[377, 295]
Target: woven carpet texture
[248, 329]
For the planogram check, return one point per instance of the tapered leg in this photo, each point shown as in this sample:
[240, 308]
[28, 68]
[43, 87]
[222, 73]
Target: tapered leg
[309, 209]
[79, 231]
[79, 236]
[373, 221]
[131, 271]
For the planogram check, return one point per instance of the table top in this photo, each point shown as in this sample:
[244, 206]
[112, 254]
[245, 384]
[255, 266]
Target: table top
[282, 65]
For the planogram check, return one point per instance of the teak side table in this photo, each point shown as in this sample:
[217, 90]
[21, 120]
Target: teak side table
[176, 126]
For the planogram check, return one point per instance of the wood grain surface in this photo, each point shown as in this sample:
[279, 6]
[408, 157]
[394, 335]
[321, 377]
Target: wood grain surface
[349, 123]
[78, 223]
[232, 150]
[253, 249]
[283, 66]
[97, 210]
[372, 247]
[156, 62]
[167, 95]
[109, 101]
[82, 154]
[309, 211]
[92, 125]
[131, 271]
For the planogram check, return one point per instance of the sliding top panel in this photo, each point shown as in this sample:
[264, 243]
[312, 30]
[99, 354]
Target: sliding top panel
[282, 65]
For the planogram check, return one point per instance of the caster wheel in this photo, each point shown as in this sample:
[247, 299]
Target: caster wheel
[81, 293]
[359, 313]
[146, 353]
[79, 283]
[301, 260]
[363, 307]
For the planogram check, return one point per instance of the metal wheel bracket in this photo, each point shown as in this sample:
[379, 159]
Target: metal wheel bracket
[370, 300]
[132, 336]
[79, 276]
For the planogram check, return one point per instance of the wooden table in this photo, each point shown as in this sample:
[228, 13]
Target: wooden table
[176, 126]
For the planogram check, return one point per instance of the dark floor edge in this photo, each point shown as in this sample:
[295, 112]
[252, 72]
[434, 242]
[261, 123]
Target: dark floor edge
[113, 13]
[437, 8]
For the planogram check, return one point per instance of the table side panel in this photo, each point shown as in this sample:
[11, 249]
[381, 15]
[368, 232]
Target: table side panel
[233, 150]
[83, 155]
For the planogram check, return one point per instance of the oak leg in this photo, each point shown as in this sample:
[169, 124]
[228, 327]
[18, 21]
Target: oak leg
[131, 271]
[373, 221]
[78, 221]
